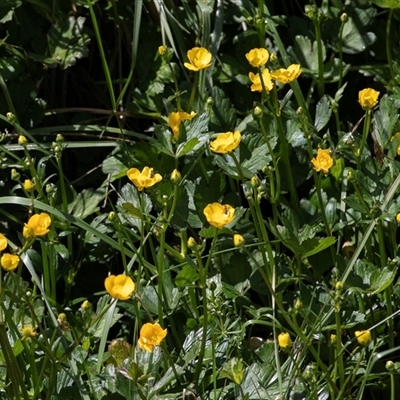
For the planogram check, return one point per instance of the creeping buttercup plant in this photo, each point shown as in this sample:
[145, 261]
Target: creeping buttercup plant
[199, 200]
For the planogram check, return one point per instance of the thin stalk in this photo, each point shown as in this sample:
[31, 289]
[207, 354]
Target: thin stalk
[339, 353]
[366, 126]
[388, 43]
[261, 23]
[321, 83]
[193, 92]
[392, 387]
[202, 284]
[341, 53]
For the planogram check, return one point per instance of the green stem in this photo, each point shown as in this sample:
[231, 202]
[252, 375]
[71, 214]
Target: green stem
[192, 94]
[339, 353]
[321, 87]
[260, 23]
[367, 124]
[341, 54]
[392, 387]
[202, 284]
[388, 43]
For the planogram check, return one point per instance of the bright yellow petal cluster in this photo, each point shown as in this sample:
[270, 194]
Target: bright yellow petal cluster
[323, 162]
[363, 337]
[175, 119]
[284, 341]
[199, 58]
[257, 86]
[29, 185]
[257, 57]
[144, 179]
[226, 142]
[120, 286]
[3, 242]
[219, 215]
[151, 335]
[238, 240]
[368, 98]
[9, 261]
[38, 225]
[287, 75]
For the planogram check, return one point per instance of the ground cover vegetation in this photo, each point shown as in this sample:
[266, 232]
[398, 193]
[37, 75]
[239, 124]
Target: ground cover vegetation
[199, 199]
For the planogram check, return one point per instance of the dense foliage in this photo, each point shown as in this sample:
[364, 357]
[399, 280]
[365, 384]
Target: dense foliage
[199, 199]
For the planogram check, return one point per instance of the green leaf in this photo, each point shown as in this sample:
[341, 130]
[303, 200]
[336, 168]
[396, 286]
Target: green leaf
[355, 39]
[321, 245]
[222, 113]
[381, 279]
[233, 370]
[306, 53]
[186, 277]
[67, 42]
[322, 113]
[387, 3]
[87, 202]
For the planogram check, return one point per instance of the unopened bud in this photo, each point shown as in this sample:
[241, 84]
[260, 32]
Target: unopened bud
[257, 112]
[176, 176]
[10, 117]
[390, 366]
[339, 286]
[298, 305]
[22, 140]
[60, 138]
[255, 182]
[191, 243]
[273, 58]
[162, 50]
[29, 186]
[210, 102]
[15, 175]
[238, 240]
[344, 18]
[112, 216]
[333, 338]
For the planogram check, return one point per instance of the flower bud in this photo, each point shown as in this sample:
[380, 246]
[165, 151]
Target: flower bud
[238, 240]
[120, 350]
[191, 243]
[344, 18]
[176, 176]
[255, 182]
[49, 188]
[298, 305]
[15, 175]
[59, 138]
[339, 286]
[210, 102]
[333, 338]
[86, 305]
[273, 58]
[162, 50]
[10, 117]
[257, 112]
[22, 140]
[398, 218]
[390, 366]
[300, 111]
[284, 341]
[111, 216]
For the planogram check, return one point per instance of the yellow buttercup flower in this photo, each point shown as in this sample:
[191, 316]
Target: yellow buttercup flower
[368, 98]
[38, 225]
[219, 215]
[3, 242]
[284, 341]
[199, 58]
[175, 119]
[287, 75]
[398, 218]
[120, 286]
[323, 162]
[257, 86]
[226, 142]
[144, 179]
[363, 337]
[151, 335]
[9, 261]
[257, 57]
[28, 331]
[29, 185]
